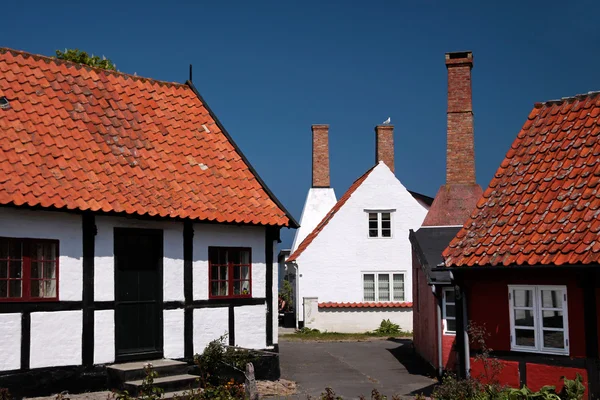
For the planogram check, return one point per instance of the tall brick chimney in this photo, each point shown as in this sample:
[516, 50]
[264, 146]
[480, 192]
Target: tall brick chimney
[457, 198]
[460, 151]
[384, 145]
[320, 158]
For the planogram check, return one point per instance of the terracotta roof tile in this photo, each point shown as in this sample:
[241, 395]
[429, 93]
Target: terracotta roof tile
[81, 138]
[311, 236]
[395, 304]
[543, 205]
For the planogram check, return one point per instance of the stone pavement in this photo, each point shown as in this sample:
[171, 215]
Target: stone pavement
[354, 368]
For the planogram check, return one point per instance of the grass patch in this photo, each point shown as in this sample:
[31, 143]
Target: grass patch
[315, 334]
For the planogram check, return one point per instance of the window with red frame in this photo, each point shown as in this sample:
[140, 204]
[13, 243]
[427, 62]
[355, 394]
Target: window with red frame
[28, 269]
[230, 271]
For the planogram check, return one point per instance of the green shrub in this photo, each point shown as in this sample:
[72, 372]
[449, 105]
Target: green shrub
[218, 362]
[387, 327]
[308, 331]
[572, 389]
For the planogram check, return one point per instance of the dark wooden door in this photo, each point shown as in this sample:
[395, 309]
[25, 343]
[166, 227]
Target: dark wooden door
[138, 294]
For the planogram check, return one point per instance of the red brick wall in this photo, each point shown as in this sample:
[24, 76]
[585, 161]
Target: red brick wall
[487, 294]
[508, 374]
[460, 150]
[424, 316]
[320, 159]
[384, 145]
[539, 375]
[449, 356]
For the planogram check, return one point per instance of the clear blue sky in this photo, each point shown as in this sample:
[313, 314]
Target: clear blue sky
[271, 69]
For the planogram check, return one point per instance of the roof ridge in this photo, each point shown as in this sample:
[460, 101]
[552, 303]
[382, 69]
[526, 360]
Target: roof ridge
[330, 214]
[562, 100]
[68, 63]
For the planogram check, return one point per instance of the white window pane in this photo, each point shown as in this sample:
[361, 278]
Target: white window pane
[50, 288]
[385, 217]
[386, 232]
[552, 298]
[524, 318]
[369, 287]
[398, 287]
[523, 297]
[384, 287]
[450, 325]
[373, 233]
[552, 319]
[554, 339]
[525, 337]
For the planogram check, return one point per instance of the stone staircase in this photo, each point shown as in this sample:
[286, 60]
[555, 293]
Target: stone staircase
[173, 376]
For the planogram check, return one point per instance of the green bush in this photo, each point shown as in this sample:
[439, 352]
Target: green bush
[387, 327]
[218, 363]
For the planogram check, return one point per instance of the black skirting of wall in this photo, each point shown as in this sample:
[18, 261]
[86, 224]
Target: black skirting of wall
[48, 381]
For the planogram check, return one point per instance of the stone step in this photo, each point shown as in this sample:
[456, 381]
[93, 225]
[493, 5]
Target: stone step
[168, 383]
[120, 373]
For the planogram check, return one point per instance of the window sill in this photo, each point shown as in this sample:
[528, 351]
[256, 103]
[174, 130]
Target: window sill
[541, 352]
[249, 296]
[449, 333]
[40, 300]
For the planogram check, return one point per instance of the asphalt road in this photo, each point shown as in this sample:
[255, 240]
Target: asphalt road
[352, 369]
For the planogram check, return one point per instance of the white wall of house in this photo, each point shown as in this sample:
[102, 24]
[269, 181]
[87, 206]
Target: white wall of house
[104, 271]
[173, 333]
[318, 203]
[209, 324]
[353, 320]
[104, 336]
[66, 228]
[56, 338]
[10, 345]
[331, 268]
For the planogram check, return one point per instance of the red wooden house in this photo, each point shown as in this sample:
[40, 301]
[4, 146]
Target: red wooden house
[433, 303]
[525, 264]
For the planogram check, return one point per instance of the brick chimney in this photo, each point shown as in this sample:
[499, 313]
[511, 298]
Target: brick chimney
[460, 151]
[320, 158]
[456, 199]
[384, 145]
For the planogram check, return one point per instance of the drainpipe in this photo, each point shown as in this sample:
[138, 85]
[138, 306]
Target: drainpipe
[297, 293]
[466, 337]
[439, 330]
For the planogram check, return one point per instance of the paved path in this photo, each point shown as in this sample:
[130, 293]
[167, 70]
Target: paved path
[354, 368]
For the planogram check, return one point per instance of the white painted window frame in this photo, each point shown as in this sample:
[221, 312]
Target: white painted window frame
[538, 320]
[379, 224]
[445, 317]
[391, 285]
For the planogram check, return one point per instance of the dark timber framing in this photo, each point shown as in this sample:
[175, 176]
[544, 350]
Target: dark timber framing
[590, 316]
[271, 235]
[88, 223]
[460, 331]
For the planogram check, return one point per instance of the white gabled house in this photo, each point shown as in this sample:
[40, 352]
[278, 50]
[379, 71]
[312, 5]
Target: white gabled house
[131, 226]
[354, 265]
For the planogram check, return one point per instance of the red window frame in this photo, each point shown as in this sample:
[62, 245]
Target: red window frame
[212, 253]
[27, 257]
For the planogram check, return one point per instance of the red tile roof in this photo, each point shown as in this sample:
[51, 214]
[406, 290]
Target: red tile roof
[543, 205]
[395, 304]
[311, 236]
[80, 138]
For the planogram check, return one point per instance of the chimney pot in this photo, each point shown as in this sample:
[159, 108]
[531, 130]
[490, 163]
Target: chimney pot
[460, 151]
[320, 159]
[384, 145]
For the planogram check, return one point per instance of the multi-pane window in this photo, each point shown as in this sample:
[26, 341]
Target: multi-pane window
[383, 286]
[380, 224]
[449, 310]
[28, 269]
[230, 271]
[538, 318]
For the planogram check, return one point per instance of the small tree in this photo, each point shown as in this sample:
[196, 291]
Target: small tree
[82, 57]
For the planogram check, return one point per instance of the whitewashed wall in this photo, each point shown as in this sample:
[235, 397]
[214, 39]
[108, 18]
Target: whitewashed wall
[331, 267]
[209, 324]
[318, 203]
[104, 336]
[249, 331]
[173, 333]
[64, 227]
[275, 305]
[206, 235]
[104, 273]
[56, 338]
[353, 320]
[10, 345]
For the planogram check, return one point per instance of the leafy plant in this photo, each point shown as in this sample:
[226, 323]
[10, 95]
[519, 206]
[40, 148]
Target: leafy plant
[329, 394]
[82, 57]
[286, 296]
[5, 394]
[217, 360]
[387, 327]
[148, 390]
[573, 389]
[307, 331]
[545, 393]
